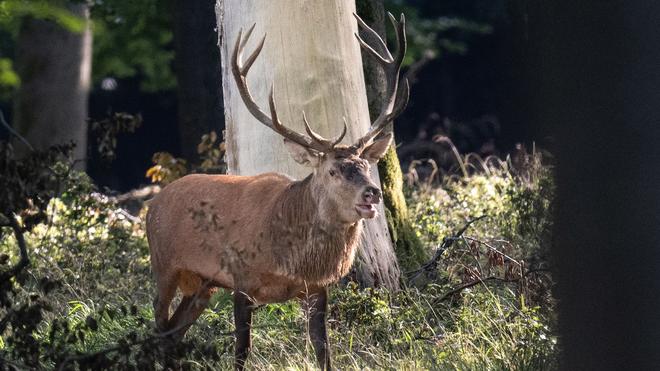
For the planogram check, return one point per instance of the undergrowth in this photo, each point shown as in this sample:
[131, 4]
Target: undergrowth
[483, 303]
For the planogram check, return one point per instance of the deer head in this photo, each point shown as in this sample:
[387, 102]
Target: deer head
[341, 183]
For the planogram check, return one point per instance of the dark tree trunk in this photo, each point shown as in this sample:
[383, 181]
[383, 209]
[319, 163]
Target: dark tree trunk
[197, 64]
[54, 65]
[408, 247]
[600, 97]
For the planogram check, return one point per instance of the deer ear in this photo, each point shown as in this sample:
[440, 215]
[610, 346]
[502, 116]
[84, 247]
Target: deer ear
[302, 155]
[377, 149]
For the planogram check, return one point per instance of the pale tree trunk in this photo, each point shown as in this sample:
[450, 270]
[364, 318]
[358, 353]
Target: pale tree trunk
[409, 249]
[313, 59]
[54, 65]
[197, 62]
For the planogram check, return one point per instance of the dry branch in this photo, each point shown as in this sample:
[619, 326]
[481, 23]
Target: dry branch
[446, 243]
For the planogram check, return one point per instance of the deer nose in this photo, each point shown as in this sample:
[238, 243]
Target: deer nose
[371, 195]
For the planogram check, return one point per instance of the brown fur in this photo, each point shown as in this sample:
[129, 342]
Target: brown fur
[260, 234]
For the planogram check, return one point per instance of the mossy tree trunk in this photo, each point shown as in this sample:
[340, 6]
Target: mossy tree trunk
[408, 247]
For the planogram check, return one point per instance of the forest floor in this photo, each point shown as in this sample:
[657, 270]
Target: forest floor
[483, 302]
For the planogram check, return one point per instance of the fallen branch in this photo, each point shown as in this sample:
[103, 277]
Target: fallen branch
[446, 243]
[484, 280]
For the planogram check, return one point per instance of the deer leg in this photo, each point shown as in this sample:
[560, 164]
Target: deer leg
[166, 291]
[190, 308]
[317, 305]
[243, 308]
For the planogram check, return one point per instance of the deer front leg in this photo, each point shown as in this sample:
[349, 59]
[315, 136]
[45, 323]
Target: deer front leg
[243, 308]
[317, 304]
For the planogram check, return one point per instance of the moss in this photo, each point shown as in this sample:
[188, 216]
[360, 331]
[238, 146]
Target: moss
[408, 247]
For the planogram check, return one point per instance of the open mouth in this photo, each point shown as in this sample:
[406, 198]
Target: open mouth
[366, 211]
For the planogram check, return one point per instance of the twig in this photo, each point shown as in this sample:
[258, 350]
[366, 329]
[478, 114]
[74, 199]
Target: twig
[473, 283]
[446, 243]
[12, 131]
[491, 247]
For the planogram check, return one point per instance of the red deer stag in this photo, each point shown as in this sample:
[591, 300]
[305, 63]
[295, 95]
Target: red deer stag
[270, 238]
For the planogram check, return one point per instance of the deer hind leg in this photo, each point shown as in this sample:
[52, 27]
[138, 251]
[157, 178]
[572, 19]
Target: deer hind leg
[166, 289]
[196, 295]
[316, 303]
[243, 308]
[190, 308]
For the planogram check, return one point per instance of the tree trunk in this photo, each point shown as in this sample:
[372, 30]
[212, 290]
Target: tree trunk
[313, 59]
[409, 249]
[54, 65]
[197, 63]
[598, 93]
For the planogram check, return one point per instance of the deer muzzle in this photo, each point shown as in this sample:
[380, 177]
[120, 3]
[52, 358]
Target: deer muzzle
[367, 206]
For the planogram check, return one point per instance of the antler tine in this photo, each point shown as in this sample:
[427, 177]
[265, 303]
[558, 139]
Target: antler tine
[315, 136]
[254, 55]
[240, 75]
[283, 130]
[371, 50]
[247, 36]
[382, 45]
[240, 71]
[341, 136]
[288, 133]
[327, 143]
[397, 93]
[402, 96]
[402, 43]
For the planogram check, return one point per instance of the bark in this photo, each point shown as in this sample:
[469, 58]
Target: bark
[409, 249]
[197, 65]
[55, 70]
[313, 59]
[599, 93]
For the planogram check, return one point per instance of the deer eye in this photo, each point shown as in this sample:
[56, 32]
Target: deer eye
[332, 173]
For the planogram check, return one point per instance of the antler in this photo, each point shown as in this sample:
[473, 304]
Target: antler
[240, 71]
[398, 94]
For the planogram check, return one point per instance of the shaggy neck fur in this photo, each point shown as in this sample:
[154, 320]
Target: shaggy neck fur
[306, 244]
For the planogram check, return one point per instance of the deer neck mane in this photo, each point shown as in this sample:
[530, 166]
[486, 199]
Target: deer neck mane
[309, 246]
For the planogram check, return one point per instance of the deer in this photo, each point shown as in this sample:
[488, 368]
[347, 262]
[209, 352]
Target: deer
[269, 238]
